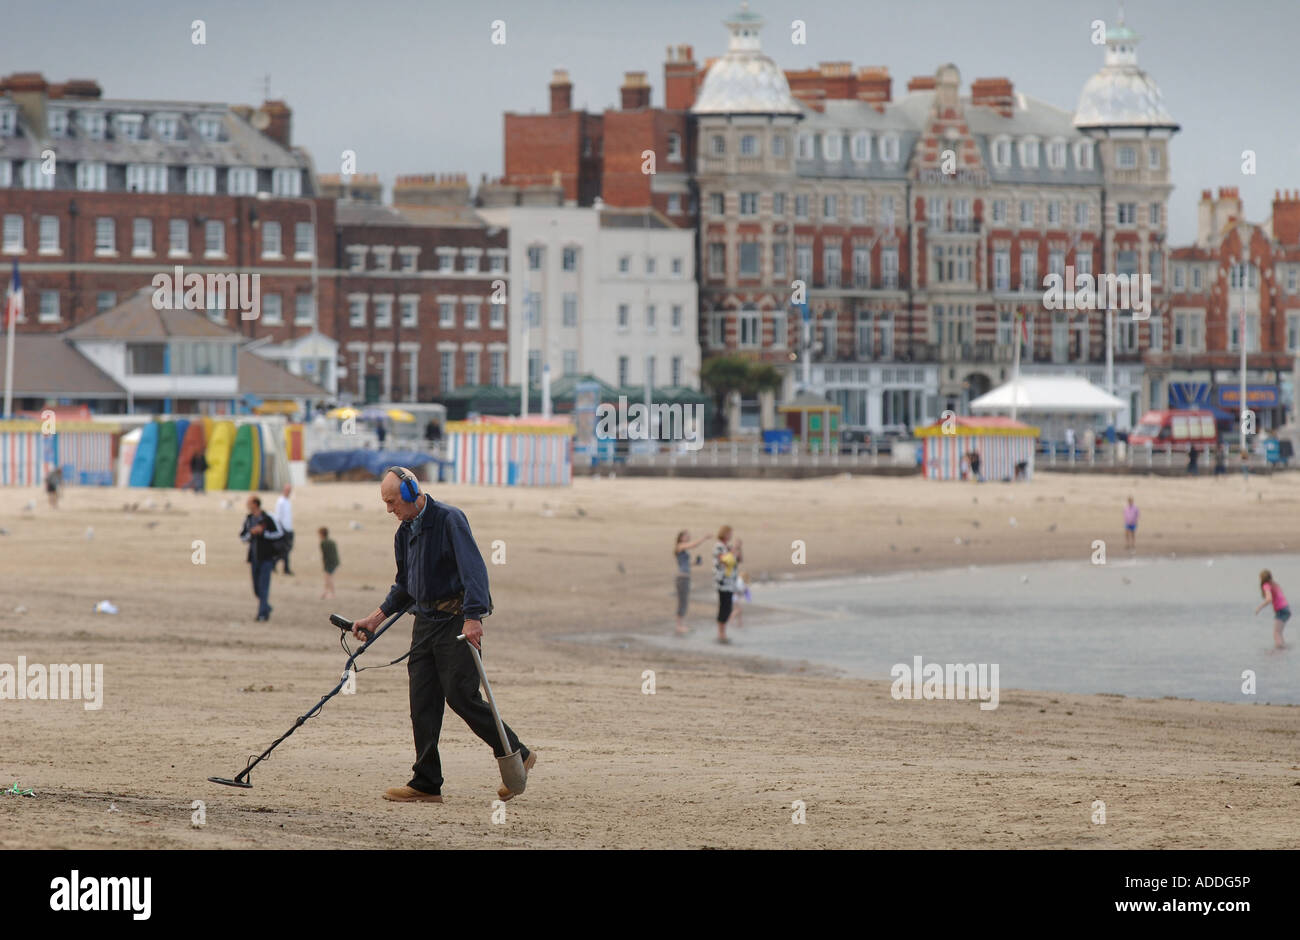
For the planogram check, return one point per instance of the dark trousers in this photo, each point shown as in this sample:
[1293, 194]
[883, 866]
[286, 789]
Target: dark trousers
[441, 669]
[287, 547]
[262, 585]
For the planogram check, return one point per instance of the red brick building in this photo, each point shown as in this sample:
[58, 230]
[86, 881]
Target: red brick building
[419, 310]
[1234, 264]
[610, 155]
[98, 196]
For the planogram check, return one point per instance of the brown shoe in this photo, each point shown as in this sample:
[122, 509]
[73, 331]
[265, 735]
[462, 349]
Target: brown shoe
[504, 792]
[410, 795]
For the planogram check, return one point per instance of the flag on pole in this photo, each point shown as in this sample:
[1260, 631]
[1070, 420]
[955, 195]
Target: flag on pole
[1024, 323]
[14, 305]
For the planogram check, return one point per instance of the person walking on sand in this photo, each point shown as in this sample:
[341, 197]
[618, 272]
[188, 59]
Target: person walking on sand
[441, 576]
[329, 556]
[724, 579]
[682, 552]
[1131, 513]
[260, 532]
[1272, 591]
[53, 480]
[198, 470]
[284, 518]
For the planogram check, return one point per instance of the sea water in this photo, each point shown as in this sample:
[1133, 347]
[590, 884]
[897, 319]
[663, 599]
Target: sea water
[1144, 627]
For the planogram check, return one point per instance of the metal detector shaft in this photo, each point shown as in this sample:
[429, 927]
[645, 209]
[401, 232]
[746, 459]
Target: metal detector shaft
[487, 687]
[242, 779]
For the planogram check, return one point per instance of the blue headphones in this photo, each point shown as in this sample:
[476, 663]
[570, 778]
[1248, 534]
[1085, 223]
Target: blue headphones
[410, 487]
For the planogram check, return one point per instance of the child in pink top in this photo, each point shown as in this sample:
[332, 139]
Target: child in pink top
[1130, 525]
[1272, 591]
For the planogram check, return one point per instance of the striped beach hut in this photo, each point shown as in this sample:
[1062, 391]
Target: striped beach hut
[1002, 444]
[83, 450]
[511, 451]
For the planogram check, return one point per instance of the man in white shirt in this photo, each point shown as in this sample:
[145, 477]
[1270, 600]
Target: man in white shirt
[284, 519]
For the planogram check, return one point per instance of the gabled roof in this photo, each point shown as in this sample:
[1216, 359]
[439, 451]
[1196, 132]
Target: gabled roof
[137, 318]
[47, 366]
[267, 379]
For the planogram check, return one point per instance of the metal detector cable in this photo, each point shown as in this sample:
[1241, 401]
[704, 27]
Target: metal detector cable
[343, 642]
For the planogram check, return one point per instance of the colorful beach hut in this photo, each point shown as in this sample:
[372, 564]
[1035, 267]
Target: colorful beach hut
[511, 451]
[83, 451]
[1005, 447]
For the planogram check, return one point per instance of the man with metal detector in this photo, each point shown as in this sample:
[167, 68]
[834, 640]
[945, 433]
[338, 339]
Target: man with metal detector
[441, 574]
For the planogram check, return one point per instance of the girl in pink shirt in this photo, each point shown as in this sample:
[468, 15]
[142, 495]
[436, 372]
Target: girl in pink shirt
[1130, 525]
[1272, 591]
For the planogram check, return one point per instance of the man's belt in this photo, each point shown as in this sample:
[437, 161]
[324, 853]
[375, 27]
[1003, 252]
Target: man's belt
[445, 605]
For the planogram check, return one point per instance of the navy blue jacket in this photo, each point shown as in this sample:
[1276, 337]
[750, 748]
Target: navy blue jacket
[259, 546]
[436, 559]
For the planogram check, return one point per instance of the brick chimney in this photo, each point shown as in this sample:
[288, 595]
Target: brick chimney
[1227, 208]
[1205, 219]
[561, 92]
[635, 91]
[281, 120]
[432, 189]
[995, 93]
[30, 92]
[681, 78]
[921, 83]
[875, 86]
[1286, 218]
[80, 88]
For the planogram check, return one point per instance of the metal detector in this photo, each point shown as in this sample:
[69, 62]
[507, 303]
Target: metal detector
[241, 780]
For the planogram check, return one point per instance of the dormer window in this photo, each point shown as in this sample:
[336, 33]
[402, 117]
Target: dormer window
[166, 126]
[1029, 153]
[805, 147]
[241, 181]
[889, 149]
[831, 145]
[127, 126]
[92, 124]
[58, 122]
[209, 126]
[8, 122]
[861, 147]
[1083, 154]
[1002, 152]
[1056, 155]
[286, 182]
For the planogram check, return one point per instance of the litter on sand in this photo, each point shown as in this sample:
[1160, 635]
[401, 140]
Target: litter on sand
[15, 791]
[105, 607]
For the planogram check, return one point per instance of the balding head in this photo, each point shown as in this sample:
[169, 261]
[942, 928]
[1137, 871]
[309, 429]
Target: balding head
[390, 491]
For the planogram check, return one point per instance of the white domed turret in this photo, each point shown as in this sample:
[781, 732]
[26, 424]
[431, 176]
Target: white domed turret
[1121, 94]
[745, 81]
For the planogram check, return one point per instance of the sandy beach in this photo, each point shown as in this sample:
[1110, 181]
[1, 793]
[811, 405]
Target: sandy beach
[715, 758]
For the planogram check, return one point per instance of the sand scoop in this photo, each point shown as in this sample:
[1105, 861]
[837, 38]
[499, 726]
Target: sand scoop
[513, 774]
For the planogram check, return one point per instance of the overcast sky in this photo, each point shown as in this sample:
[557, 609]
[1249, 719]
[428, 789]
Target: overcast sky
[417, 86]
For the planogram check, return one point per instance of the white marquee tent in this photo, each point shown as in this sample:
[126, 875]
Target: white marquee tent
[1049, 395]
[1054, 403]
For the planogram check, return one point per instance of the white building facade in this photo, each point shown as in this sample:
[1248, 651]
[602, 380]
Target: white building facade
[600, 291]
